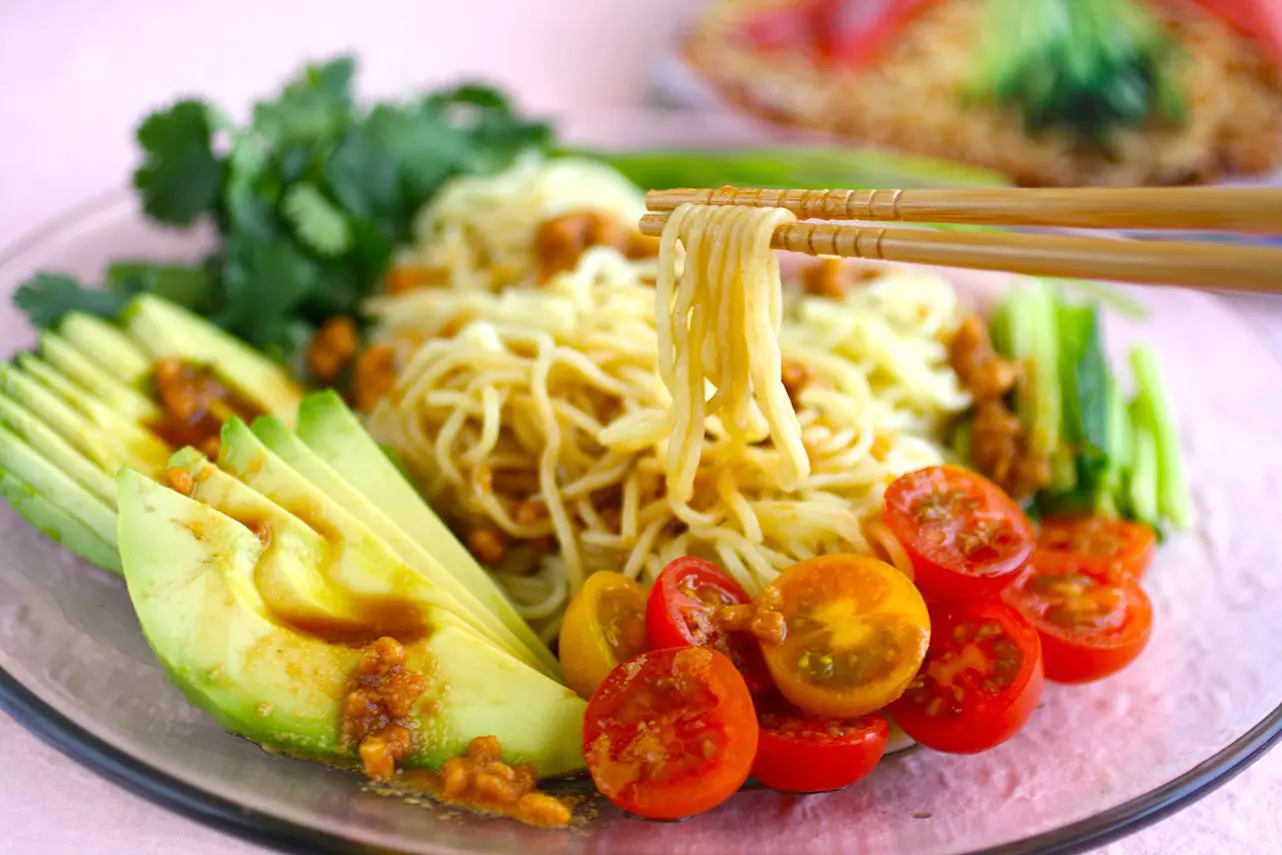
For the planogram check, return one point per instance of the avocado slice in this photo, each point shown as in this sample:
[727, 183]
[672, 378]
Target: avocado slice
[423, 557]
[108, 346]
[84, 407]
[107, 451]
[367, 566]
[96, 380]
[56, 524]
[290, 576]
[33, 470]
[169, 332]
[29, 427]
[191, 575]
[146, 444]
[332, 431]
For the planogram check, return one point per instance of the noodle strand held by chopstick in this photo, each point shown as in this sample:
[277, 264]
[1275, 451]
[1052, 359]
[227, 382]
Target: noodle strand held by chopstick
[718, 321]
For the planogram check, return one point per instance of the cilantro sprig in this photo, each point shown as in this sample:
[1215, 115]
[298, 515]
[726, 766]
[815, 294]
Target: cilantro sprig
[310, 197]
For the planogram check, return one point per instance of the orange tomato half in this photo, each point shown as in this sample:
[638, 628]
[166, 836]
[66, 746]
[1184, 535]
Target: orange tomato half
[604, 625]
[856, 633]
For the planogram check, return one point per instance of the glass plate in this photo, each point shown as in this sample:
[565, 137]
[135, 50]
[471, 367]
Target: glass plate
[1095, 762]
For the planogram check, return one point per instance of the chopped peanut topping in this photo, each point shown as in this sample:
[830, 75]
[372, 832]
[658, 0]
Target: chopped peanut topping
[195, 405]
[410, 278]
[332, 348]
[999, 441]
[377, 707]
[530, 512]
[375, 376]
[181, 481]
[561, 240]
[481, 780]
[489, 545]
[796, 376]
[763, 617]
[828, 277]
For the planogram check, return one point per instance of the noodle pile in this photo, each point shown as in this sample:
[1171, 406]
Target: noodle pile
[594, 438]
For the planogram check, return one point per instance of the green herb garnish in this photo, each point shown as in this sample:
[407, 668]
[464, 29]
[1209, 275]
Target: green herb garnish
[311, 197]
[1090, 67]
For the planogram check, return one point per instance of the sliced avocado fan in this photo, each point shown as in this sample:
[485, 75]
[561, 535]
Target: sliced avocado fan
[242, 601]
[83, 407]
[373, 558]
[335, 435]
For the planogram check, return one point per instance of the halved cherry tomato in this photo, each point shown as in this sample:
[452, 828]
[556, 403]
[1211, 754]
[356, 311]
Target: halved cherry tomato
[965, 536]
[1090, 625]
[682, 612]
[1257, 19]
[855, 633]
[671, 733]
[1109, 547]
[980, 682]
[802, 753]
[604, 625]
[833, 32]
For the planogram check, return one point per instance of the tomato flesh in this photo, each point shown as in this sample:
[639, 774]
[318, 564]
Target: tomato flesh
[966, 537]
[855, 632]
[604, 625]
[833, 32]
[801, 753]
[671, 733]
[1090, 625]
[1257, 19]
[682, 612]
[1109, 547]
[981, 680]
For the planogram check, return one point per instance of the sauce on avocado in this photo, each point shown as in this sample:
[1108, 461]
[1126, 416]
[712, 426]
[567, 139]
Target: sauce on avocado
[195, 404]
[376, 620]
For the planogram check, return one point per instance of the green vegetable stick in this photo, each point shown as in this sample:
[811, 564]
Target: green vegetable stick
[1113, 489]
[1038, 346]
[813, 167]
[1144, 467]
[1155, 406]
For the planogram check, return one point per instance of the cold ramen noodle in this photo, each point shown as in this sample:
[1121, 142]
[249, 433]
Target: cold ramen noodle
[764, 524]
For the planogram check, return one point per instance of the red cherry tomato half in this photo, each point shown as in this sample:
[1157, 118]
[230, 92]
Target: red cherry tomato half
[1090, 625]
[682, 612]
[980, 682]
[802, 753]
[966, 538]
[1106, 547]
[671, 733]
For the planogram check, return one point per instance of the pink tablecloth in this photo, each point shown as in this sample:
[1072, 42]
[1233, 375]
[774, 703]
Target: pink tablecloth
[73, 79]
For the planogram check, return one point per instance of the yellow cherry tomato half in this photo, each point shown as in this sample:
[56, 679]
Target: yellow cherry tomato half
[604, 626]
[856, 633]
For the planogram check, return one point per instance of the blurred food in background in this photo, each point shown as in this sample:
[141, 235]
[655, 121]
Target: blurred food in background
[1051, 92]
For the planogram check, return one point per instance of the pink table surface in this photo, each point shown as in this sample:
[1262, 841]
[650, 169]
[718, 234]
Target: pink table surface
[74, 77]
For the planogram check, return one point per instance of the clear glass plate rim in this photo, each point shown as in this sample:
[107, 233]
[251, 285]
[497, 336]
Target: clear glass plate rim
[43, 719]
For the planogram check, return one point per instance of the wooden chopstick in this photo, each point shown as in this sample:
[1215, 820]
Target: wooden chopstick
[1201, 265]
[1246, 209]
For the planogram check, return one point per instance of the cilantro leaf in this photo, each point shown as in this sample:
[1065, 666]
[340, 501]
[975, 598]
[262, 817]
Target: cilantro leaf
[46, 297]
[263, 284]
[363, 177]
[186, 285]
[310, 197]
[314, 105]
[316, 221]
[180, 177]
[253, 189]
